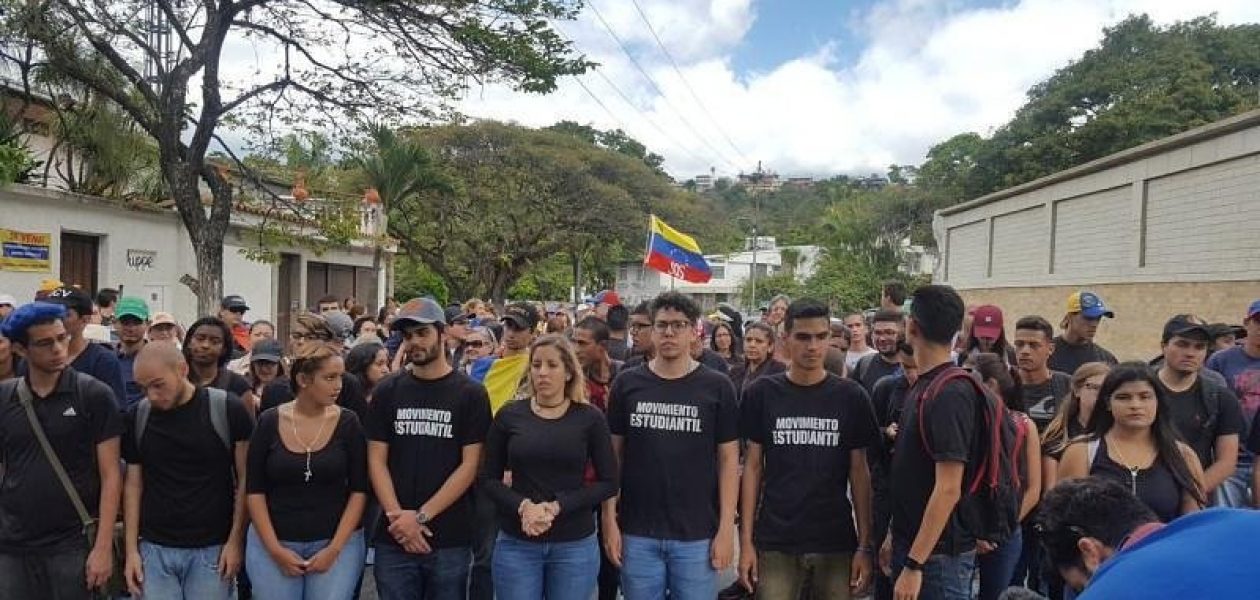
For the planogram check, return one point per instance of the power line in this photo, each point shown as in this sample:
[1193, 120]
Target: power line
[687, 84]
[626, 50]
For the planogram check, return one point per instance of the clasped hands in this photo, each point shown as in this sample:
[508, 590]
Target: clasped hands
[537, 517]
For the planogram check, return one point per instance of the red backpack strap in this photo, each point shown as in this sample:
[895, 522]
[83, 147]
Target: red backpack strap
[949, 374]
[1022, 423]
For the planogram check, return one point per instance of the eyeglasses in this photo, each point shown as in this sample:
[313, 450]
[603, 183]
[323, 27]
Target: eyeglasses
[674, 326]
[475, 344]
[299, 337]
[639, 326]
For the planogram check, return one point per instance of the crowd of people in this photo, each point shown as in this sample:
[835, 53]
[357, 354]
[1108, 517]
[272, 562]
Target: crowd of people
[635, 451]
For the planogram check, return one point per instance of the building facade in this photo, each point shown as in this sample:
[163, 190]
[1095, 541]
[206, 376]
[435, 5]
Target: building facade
[1165, 228]
[94, 243]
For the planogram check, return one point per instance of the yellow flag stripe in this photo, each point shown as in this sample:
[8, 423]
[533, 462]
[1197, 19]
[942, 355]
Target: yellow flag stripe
[674, 236]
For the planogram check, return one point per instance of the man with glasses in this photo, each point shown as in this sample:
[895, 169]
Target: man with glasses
[43, 552]
[640, 328]
[232, 311]
[674, 427]
[1075, 347]
[885, 333]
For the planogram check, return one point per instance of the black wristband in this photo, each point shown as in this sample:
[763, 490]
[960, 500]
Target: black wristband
[913, 564]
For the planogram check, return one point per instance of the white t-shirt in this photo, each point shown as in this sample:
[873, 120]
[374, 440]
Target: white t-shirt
[852, 357]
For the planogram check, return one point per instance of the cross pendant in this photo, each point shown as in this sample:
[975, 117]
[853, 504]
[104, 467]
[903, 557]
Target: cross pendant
[308, 475]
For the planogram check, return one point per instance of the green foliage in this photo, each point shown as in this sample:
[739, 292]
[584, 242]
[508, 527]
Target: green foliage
[769, 287]
[14, 161]
[413, 280]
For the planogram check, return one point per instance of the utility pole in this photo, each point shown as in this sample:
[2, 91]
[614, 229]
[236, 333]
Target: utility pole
[752, 278]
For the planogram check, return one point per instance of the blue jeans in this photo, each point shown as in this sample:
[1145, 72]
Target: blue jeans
[945, 577]
[439, 575]
[1235, 491]
[525, 570]
[998, 567]
[183, 573]
[337, 583]
[650, 566]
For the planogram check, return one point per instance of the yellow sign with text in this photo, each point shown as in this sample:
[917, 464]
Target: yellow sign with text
[23, 251]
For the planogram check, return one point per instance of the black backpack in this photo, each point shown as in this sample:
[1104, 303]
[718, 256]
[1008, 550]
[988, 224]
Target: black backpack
[991, 495]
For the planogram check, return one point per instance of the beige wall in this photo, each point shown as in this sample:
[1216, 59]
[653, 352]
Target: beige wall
[1141, 308]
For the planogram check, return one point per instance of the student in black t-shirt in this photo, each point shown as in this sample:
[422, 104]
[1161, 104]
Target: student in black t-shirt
[547, 546]
[1205, 411]
[886, 331]
[1041, 388]
[1075, 347]
[674, 427]
[184, 498]
[887, 400]
[43, 552]
[807, 432]
[426, 426]
[927, 552]
[208, 350]
[307, 484]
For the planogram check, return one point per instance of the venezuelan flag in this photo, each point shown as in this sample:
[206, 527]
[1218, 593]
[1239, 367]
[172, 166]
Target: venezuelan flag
[675, 254]
[502, 377]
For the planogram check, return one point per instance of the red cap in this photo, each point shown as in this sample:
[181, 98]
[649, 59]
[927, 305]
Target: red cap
[608, 297]
[987, 322]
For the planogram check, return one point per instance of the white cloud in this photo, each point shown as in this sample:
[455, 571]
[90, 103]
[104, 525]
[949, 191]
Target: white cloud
[929, 70]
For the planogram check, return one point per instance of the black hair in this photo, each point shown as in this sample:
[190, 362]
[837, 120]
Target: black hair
[1036, 323]
[762, 327]
[938, 312]
[106, 297]
[359, 359]
[228, 341]
[895, 290]
[675, 301]
[888, 316]
[260, 323]
[1001, 346]
[806, 308]
[736, 341]
[1087, 507]
[328, 299]
[598, 328]
[358, 325]
[1163, 429]
[991, 366]
[642, 308]
[618, 317]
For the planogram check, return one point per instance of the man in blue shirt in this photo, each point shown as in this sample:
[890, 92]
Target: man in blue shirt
[97, 360]
[1240, 366]
[131, 325]
[1102, 539]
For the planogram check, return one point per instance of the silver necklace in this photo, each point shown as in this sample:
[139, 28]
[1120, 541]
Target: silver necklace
[323, 420]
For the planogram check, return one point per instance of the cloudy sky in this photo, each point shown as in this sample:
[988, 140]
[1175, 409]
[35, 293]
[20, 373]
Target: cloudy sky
[819, 87]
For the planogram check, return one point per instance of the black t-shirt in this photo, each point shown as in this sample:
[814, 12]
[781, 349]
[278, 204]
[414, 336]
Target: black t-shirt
[548, 459]
[1067, 358]
[806, 434]
[1041, 401]
[36, 515]
[669, 463]
[1197, 427]
[189, 475]
[352, 395]
[427, 424]
[950, 420]
[742, 376]
[714, 361]
[870, 369]
[302, 510]
[887, 400]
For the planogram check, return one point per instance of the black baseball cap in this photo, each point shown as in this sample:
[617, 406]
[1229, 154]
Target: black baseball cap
[72, 298]
[454, 313]
[1187, 326]
[233, 302]
[522, 314]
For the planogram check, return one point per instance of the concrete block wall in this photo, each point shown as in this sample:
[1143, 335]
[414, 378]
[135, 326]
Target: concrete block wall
[1141, 308]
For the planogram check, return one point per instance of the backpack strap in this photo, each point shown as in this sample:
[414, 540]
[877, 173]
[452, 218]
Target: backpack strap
[949, 374]
[219, 416]
[27, 400]
[1091, 452]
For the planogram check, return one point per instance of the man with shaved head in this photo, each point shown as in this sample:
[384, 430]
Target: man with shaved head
[183, 500]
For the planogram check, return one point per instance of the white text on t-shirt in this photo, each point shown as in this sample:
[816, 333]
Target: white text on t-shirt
[423, 421]
[664, 416]
[806, 431]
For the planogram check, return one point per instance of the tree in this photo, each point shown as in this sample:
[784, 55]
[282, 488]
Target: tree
[335, 60]
[615, 140]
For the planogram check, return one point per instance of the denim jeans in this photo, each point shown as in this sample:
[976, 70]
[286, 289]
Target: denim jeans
[996, 568]
[945, 577]
[526, 570]
[1235, 491]
[485, 531]
[650, 567]
[337, 583]
[184, 573]
[782, 576]
[57, 576]
[439, 575]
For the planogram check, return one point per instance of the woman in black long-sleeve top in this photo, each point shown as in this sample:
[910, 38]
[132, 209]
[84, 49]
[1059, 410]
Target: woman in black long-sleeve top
[547, 546]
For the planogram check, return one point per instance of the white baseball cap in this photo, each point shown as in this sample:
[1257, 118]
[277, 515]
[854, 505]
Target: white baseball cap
[8, 299]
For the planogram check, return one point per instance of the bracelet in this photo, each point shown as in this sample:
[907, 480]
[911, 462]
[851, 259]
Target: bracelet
[865, 550]
[913, 565]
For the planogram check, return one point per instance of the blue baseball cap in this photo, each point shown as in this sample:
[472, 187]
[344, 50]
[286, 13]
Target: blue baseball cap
[1254, 310]
[1089, 305]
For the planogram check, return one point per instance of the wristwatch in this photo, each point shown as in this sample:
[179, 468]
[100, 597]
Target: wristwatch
[913, 564]
[422, 517]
